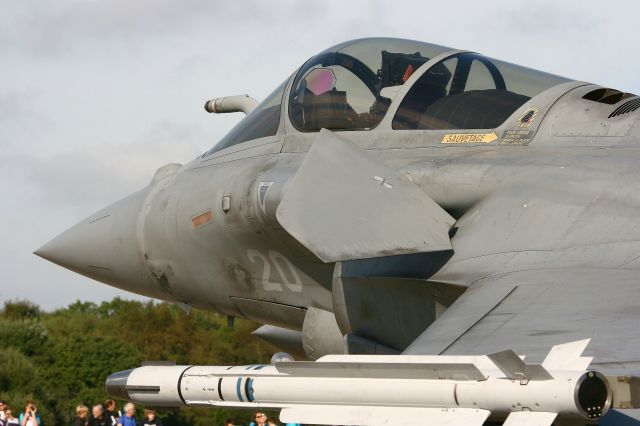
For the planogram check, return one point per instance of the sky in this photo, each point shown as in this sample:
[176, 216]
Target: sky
[95, 95]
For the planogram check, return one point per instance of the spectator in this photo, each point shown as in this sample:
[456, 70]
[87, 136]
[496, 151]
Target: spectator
[98, 417]
[271, 421]
[228, 422]
[3, 408]
[150, 418]
[30, 417]
[110, 412]
[259, 419]
[82, 412]
[128, 418]
[9, 419]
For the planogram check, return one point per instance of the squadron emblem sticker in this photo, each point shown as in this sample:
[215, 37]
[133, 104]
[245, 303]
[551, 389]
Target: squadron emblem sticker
[527, 118]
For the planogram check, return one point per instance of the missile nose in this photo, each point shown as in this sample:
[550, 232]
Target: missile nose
[116, 384]
[104, 247]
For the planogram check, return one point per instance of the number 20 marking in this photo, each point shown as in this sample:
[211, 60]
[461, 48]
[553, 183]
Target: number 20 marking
[276, 260]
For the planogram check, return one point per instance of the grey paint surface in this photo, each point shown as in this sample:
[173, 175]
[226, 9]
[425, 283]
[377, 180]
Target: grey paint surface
[353, 194]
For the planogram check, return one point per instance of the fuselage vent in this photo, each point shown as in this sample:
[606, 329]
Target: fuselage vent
[626, 107]
[607, 96]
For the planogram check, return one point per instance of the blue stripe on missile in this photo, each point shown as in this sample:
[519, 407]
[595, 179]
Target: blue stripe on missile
[220, 389]
[239, 389]
[249, 387]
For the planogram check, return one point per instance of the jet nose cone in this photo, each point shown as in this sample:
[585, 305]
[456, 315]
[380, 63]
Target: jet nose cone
[47, 251]
[104, 247]
[85, 248]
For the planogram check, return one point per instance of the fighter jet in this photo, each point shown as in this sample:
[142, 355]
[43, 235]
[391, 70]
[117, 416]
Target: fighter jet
[408, 221]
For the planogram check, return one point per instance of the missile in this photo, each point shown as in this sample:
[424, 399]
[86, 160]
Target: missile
[374, 389]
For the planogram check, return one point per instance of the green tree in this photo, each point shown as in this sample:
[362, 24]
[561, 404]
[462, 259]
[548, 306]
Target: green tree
[27, 335]
[18, 373]
[77, 367]
[69, 353]
[19, 380]
[20, 309]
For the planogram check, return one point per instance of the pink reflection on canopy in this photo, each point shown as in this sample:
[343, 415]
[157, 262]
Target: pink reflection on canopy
[320, 80]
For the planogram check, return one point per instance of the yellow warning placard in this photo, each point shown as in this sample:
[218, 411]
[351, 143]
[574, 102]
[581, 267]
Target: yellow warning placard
[469, 137]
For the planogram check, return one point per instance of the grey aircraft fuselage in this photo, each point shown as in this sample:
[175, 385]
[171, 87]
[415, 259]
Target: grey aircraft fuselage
[556, 194]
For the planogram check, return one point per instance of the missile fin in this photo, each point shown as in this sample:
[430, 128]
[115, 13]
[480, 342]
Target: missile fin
[371, 416]
[515, 368]
[529, 418]
[381, 370]
[568, 357]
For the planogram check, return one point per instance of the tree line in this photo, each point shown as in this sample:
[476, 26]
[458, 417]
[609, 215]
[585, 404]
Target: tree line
[62, 358]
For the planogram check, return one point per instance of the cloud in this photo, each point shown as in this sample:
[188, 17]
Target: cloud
[94, 174]
[549, 19]
[17, 118]
[56, 28]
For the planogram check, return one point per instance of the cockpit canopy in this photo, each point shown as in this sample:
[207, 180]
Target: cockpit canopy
[351, 86]
[469, 91]
[343, 88]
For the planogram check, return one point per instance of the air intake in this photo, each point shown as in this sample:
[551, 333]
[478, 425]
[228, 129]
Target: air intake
[626, 107]
[607, 96]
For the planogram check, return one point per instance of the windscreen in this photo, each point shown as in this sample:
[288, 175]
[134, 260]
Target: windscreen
[263, 121]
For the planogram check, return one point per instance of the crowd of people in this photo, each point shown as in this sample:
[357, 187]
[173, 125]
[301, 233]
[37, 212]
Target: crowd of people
[260, 419]
[106, 414]
[28, 417]
[101, 415]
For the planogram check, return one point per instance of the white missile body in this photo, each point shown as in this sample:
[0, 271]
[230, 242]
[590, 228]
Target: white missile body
[371, 390]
